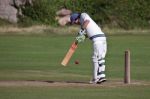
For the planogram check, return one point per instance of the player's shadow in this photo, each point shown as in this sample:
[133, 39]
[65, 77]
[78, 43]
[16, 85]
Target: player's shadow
[69, 82]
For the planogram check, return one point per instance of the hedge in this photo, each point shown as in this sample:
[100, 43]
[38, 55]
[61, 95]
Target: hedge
[126, 14]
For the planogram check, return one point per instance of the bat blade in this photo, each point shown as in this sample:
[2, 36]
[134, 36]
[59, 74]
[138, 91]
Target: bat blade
[69, 53]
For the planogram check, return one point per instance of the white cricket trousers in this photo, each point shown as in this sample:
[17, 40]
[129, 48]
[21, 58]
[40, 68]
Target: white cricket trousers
[98, 58]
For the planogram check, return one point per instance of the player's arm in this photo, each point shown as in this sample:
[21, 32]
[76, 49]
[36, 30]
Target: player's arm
[82, 35]
[85, 24]
[83, 27]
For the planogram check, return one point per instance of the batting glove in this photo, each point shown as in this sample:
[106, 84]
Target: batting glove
[80, 38]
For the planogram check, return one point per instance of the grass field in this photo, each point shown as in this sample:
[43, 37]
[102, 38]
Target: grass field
[37, 58]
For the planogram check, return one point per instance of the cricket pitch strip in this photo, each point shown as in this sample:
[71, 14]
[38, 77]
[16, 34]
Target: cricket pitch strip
[38, 83]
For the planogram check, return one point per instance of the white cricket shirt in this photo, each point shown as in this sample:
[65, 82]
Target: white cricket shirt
[92, 28]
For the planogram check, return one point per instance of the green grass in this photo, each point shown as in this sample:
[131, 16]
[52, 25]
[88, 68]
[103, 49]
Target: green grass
[133, 92]
[39, 57]
[27, 57]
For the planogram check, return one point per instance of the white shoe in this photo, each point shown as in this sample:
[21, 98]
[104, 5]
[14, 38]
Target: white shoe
[98, 81]
[94, 81]
[101, 80]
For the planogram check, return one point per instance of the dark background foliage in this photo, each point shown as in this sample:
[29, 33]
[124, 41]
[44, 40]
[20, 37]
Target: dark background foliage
[127, 14]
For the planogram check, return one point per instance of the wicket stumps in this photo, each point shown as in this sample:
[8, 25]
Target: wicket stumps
[127, 67]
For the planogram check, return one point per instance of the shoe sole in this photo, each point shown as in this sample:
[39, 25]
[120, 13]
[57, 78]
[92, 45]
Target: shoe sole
[101, 81]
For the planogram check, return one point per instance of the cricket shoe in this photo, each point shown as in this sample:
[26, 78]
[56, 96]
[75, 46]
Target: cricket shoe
[98, 81]
[93, 81]
[101, 80]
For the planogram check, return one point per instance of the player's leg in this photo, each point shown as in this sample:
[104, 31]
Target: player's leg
[99, 53]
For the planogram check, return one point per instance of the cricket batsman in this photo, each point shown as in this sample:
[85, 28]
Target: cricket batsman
[91, 30]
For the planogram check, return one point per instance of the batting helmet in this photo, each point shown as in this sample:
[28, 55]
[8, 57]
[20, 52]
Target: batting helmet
[74, 17]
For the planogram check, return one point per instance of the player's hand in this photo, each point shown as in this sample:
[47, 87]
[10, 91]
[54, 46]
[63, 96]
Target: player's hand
[80, 38]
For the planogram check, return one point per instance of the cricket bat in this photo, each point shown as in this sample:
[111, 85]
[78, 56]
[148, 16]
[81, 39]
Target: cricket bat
[69, 53]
